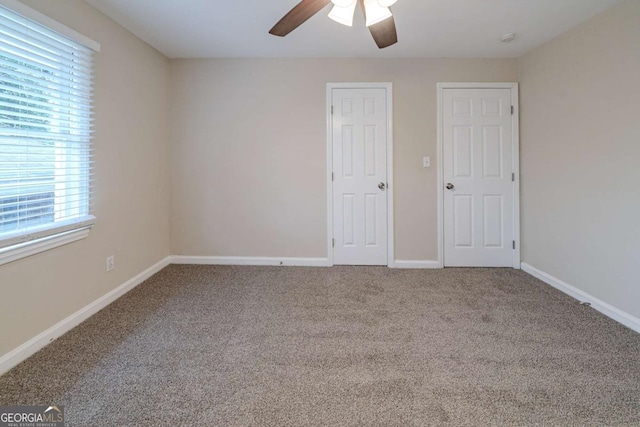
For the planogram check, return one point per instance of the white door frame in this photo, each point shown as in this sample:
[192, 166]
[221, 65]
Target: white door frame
[515, 162]
[388, 88]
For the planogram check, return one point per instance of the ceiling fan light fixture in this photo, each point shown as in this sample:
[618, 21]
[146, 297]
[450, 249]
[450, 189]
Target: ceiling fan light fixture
[387, 3]
[343, 14]
[376, 13]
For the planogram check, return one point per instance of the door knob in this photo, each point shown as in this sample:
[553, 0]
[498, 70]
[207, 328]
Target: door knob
[450, 186]
[382, 186]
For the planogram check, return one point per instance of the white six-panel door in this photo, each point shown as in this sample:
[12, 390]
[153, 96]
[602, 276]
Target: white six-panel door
[477, 171]
[359, 150]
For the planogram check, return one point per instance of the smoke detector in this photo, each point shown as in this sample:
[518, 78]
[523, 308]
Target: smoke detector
[509, 37]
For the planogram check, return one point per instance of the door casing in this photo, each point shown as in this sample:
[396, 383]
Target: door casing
[515, 162]
[388, 87]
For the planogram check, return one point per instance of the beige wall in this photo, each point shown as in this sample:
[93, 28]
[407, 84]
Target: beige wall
[132, 185]
[248, 143]
[580, 157]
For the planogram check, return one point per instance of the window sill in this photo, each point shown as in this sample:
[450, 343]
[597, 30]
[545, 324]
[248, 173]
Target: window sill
[23, 250]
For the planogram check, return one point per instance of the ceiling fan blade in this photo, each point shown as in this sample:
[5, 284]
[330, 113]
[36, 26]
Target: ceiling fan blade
[384, 33]
[297, 16]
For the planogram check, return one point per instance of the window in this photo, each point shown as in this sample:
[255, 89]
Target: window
[45, 132]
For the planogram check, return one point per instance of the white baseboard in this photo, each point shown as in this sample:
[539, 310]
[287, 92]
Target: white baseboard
[242, 260]
[608, 310]
[21, 353]
[295, 262]
[417, 264]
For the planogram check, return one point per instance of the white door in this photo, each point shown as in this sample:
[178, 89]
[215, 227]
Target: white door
[359, 138]
[479, 187]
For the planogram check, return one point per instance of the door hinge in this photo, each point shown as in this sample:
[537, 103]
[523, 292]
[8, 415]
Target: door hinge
[512, 110]
[332, 110]
[333, 243]
[332, 178]
[514, 245]
[513, 177]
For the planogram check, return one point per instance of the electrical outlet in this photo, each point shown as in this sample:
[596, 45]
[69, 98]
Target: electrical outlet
[111, 263]
[426, 162]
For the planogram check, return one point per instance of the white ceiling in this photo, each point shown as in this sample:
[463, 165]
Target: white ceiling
[426, 28]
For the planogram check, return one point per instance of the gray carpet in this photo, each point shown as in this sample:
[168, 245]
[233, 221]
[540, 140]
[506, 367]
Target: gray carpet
[277, 346]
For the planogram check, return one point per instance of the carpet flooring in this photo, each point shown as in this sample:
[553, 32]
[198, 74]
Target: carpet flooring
[342, 346]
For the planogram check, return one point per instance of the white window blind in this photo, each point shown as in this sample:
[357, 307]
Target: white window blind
[45, 131]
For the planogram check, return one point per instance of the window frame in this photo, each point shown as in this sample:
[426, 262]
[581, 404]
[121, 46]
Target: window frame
[29, 242]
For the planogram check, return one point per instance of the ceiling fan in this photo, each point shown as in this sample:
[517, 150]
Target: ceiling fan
[376, 12]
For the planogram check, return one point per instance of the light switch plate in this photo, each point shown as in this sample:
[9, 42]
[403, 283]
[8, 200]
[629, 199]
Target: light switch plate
[426, 162]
